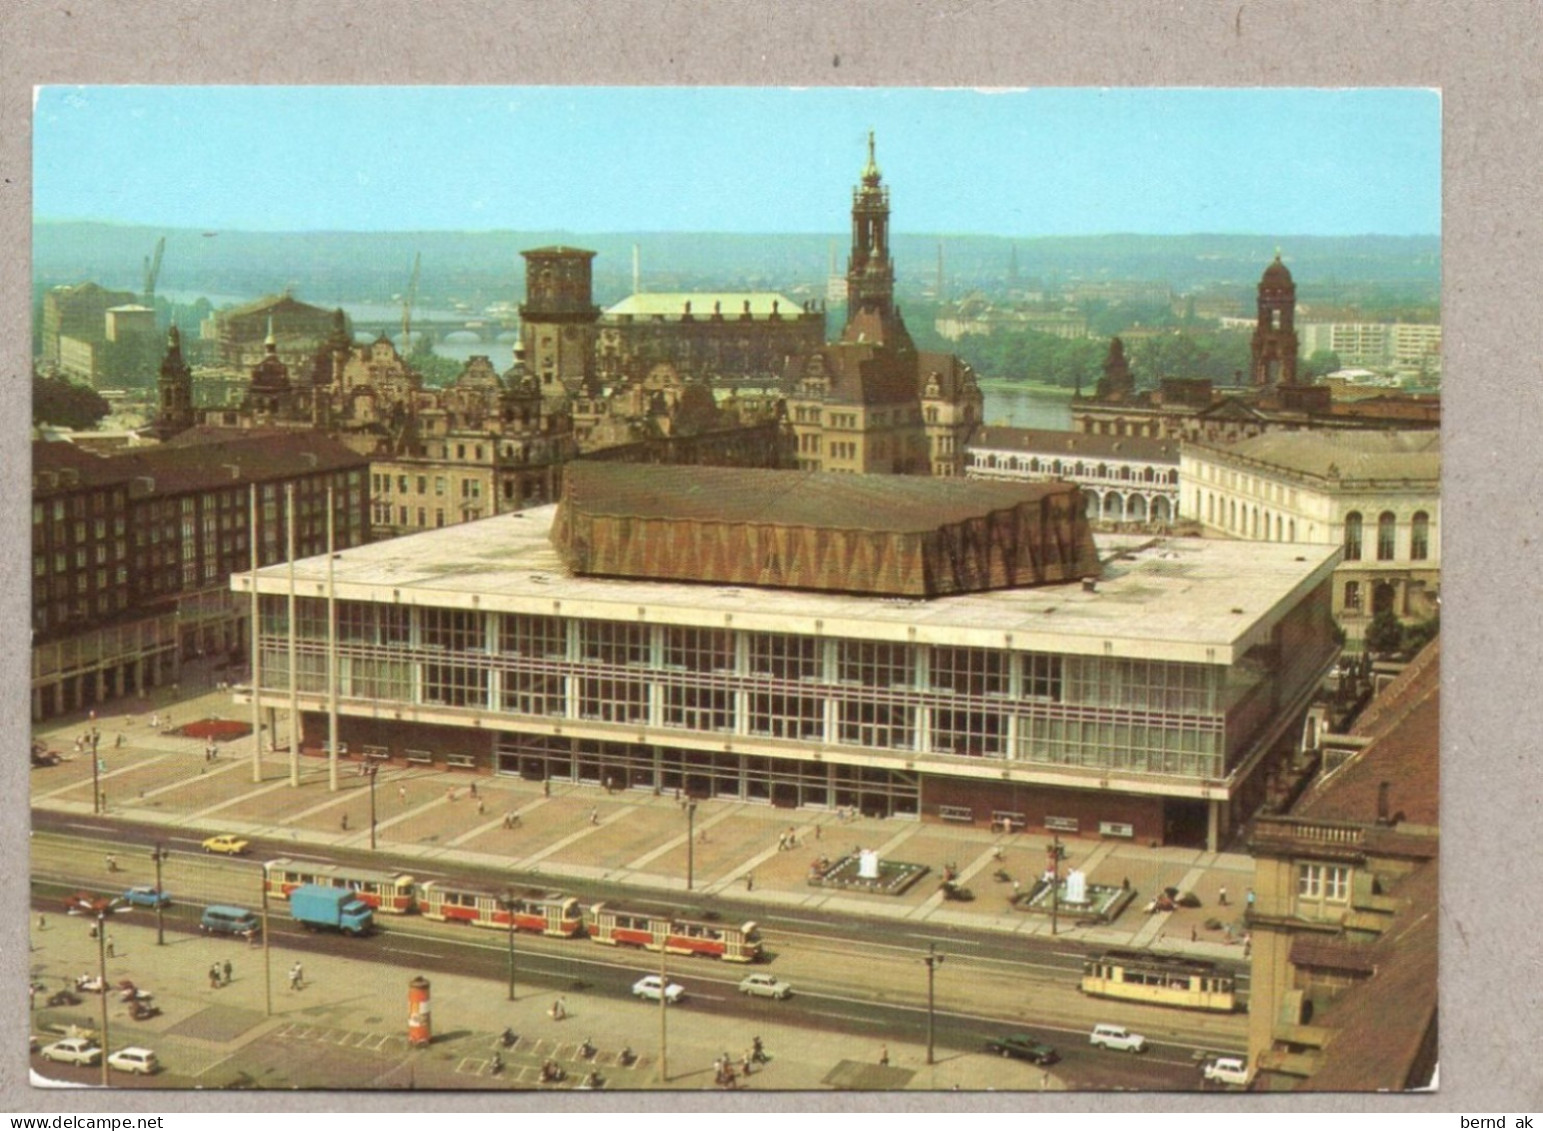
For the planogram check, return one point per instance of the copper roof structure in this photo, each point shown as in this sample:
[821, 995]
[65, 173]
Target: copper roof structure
[890, 535]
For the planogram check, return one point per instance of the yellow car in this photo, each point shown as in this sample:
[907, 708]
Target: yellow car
[227, 845]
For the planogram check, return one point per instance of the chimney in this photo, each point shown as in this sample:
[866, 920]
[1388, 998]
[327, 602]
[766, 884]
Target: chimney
[1382, 803]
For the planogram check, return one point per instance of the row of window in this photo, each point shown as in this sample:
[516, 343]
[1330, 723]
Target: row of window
[982, 673]
[1387, 536]
[1033, 465]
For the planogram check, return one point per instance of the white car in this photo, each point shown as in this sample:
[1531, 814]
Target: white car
[651, 988]
[1227, 1070]
[1117, 1037]
[72, 1050]
[766, 985]
[141, 1062]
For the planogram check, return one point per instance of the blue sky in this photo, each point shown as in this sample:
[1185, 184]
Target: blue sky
[597, 159]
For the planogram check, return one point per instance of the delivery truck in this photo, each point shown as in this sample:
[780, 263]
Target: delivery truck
[316, 907]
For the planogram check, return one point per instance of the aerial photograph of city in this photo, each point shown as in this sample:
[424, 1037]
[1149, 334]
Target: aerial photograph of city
[616, 589]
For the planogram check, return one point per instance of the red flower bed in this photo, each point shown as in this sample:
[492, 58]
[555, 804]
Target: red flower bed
[222, 730]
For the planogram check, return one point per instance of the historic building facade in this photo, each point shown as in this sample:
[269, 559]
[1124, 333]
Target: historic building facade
[1127, 482]
[870, 402]
[1375, 494]
[1342, 909]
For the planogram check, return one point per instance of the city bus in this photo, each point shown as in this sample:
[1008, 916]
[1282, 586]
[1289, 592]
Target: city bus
[453, 902]
[389, 892]
[1159, 979]
[616, 927]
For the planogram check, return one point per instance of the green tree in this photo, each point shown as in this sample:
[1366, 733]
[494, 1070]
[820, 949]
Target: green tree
[1385, 634]
[64, 404]
[1320, 363]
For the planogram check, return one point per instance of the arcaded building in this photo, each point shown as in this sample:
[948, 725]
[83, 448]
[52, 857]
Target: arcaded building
[960, 652]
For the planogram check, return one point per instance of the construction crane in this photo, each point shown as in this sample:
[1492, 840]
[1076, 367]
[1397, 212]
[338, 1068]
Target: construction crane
[153, 272]
[408, 299]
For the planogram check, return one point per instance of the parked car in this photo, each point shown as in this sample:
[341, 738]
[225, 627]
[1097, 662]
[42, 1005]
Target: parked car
[72, 1050]
[146, 895]
[1024, 1047]
[652, 986]
[766, 985]
[227, 844]
[1227, 1070]
[141, 1062]
[1117, 1037]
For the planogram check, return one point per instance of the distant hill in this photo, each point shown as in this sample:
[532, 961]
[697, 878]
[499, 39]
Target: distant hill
[483, 267]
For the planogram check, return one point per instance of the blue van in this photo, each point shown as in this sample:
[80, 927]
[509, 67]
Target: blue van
[222, 920]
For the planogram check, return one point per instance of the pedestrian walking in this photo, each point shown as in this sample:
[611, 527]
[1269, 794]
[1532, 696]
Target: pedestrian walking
[226, 970]
[884, 1056]
[482, 806]
[473, 790]
[749, 881]
[1249, 899]
[816, 832]
[344, 822]
[594, 816]
[1194, 935]
[546, 787]
[296, 976]
[214, 977]
[42, 923]
[401, 794]
[1221, 896]
[111, 948]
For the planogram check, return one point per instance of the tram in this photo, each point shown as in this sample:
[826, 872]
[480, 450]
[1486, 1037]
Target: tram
[390, 892]
[451, 902]
[1160, 979]
[616, 927]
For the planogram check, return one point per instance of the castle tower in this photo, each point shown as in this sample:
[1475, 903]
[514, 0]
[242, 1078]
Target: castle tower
[270, 394]
[558, 318]
[871, 312]
[1117, 383]
[175, 386]
[1275, 335]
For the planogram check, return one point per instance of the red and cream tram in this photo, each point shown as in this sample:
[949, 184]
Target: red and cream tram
[457, 903]
[389, 892]
[616, 927]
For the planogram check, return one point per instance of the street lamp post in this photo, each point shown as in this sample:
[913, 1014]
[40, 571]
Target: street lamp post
[371, 770]
[664, 1004]
[509, 903]
[101, 908]
[158, 854]
[690, 844]
[96, 782]
[267, 954]
[1055, 853]
[933, 961]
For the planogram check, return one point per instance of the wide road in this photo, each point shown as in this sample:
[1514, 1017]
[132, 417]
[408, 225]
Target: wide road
[852, 976]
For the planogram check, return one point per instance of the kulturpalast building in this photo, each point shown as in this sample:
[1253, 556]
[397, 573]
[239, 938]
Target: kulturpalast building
[955, 652]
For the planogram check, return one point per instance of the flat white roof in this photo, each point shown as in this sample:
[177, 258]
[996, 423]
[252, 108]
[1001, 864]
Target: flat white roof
[1185, 599]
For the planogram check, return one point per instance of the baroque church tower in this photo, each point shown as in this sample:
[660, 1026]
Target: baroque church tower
[871, 312]
[1275, 335]
[175, 388]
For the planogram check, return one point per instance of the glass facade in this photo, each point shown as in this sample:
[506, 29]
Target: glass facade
[902, 701]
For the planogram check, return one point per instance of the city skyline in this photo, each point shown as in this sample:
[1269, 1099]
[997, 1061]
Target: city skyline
[1037, 162]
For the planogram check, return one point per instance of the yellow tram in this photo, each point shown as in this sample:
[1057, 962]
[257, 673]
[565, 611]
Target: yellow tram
[1160, 979]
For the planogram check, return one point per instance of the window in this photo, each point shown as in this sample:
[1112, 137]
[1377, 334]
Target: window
[614, 642]
[1329, 882]
[1419, 537]
[969, 671]
[784, 657]
[873, 663]
[1387, 525]
[1353, 536]
[699, 649]
[1352, 596]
